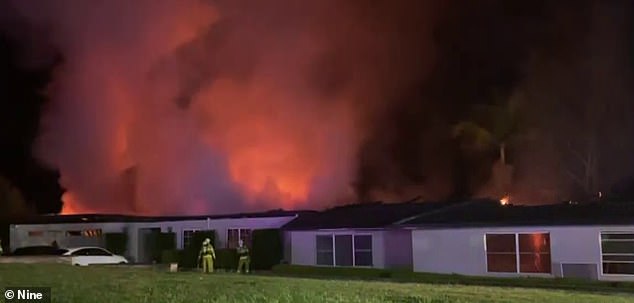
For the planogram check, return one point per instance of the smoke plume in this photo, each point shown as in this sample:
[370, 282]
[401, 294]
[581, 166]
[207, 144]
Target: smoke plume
[200, 106]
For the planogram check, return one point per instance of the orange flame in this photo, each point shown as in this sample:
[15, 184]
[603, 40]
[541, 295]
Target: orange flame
[505, 200]
[71, 205]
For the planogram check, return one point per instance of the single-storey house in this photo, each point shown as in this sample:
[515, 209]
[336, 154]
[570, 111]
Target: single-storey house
[594, 241]
[360, 235]
[89, 230]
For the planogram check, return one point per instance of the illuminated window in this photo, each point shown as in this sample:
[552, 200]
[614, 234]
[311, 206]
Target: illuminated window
[501, 253]
[617, 253]
[235, 234]
[518, 253]
[344, 250]
[534, 251]
[36, 233]
[91, 233]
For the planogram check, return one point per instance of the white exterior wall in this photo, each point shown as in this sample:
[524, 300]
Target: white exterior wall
[304, 247]
[20, 238]
[462, 250]
[19, 234]
[221, 226]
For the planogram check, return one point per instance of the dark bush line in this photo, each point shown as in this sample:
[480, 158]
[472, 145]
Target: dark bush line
[430, 278]
[266, 251]
[117, 243]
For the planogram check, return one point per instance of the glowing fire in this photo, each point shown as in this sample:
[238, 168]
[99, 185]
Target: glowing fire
[71, 205]
[505, 200]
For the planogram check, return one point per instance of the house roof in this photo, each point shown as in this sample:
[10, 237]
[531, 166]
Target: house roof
[492, 213]
[365, 215]
[112, 218]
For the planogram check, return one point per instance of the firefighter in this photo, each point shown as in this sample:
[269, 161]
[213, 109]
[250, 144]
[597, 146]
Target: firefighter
[244, 259]
[208, 255]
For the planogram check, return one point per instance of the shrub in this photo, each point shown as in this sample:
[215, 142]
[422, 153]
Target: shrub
[117, 243]
[190, 254]
[171, 256]
[157, 242]
[227, 259]
[267, 249]
[166, 241]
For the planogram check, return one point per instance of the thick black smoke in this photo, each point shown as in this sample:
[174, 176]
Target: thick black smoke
[359, 95]
[569, 65]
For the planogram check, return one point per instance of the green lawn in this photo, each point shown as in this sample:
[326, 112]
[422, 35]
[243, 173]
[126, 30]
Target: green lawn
[126, 284]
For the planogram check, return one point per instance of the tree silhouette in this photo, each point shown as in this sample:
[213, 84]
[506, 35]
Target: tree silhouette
[12, 202]
[494, 126]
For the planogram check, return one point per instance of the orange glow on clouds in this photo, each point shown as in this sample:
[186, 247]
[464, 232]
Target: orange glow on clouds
[274, 112]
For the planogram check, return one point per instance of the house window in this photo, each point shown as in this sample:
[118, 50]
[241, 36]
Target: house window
[36, 233]
[187, 236]
[91, 233]
[325, 250]
[534, 252]
[518, 253]
[344, 250]
[501, 253]
[363, 250]
[617, 253]
[235, 234]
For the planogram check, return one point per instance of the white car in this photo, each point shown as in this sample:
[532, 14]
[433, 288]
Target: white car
[93, 255]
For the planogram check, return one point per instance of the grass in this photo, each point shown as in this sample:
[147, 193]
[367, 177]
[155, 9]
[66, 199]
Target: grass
[431, 278]
[128, 284]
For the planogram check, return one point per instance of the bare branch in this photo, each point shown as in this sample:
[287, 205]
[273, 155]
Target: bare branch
[576, 178]
[581, 157]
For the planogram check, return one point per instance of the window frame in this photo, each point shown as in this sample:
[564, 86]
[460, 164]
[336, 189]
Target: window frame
[192, 230]
[518, 255]
[353, 249]
[36, 233]
[601, 254]
[332, 250]
[240, 229]
[370, 250]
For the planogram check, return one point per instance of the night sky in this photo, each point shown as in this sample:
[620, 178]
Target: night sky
[219, 106]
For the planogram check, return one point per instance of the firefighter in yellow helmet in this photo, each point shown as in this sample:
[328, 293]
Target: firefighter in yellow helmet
[208, 255]
[243, 257]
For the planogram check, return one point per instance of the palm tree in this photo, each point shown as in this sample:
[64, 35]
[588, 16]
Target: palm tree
[493, 126]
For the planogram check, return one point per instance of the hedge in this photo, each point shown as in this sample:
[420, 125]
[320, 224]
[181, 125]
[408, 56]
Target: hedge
[226, 259]
[267, 249]
[448, 279]
[158, 242]
[190, 254]
[172, 256]
[117, 243]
